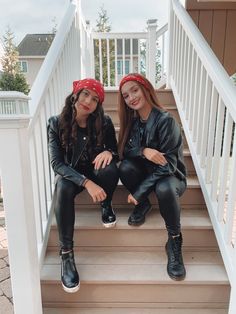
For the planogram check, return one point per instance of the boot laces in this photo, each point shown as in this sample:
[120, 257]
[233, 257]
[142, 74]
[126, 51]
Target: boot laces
[176, 247]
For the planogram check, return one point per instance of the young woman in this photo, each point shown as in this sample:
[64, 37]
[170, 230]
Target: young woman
[150, 146]
[83, 154]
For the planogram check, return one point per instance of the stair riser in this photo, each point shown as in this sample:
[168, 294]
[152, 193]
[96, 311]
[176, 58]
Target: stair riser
[165, 98]
[113, 114]
[192, 198]
[134, 237]
[108, 308]
[155, 293]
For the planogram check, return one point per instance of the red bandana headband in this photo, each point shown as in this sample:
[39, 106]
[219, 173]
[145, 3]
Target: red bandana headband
[90, 84]
[134, 77]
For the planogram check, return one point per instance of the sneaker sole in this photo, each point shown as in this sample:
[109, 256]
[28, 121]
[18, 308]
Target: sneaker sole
[110, 224]
[71, 290]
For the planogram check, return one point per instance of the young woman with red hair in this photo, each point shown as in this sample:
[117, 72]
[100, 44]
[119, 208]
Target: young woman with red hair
[150, 147]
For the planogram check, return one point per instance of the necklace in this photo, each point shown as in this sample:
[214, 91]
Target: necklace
[143, 120]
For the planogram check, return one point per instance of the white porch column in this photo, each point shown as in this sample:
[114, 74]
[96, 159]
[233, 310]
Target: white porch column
[151, 51]
[18, 203]
[232, 301]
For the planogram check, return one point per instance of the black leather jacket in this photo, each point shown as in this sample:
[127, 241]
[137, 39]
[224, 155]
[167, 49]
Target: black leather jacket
[65, 163]
[163, 134]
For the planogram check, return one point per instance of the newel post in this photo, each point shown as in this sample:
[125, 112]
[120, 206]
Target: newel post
[151, 51]
[18, 203]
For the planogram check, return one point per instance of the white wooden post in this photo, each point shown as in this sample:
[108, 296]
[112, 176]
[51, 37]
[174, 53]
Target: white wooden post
[151, 52]
[232, 301]
[19, 208]
[170, 44]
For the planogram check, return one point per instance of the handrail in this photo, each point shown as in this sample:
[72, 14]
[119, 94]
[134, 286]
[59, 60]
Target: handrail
[213, 66]
[206, 98]
[41, 82]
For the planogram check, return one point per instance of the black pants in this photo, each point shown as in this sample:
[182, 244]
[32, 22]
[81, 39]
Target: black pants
[66, 191]
[168, 190]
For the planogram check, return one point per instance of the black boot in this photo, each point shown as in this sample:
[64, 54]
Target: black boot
[137, 217]
[69, 275]
[175, 266]
[108, 215]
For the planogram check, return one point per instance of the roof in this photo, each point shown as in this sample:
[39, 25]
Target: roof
[35, 44]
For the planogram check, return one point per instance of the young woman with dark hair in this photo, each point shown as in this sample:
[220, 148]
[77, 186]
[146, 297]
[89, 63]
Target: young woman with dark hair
[150, 147]
[83, 155]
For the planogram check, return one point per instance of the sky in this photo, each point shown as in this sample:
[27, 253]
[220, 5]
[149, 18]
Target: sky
[36, 16]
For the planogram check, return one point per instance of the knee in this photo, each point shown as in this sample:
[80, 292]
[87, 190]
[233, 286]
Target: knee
[110, 171]
[165, 190]
[127, 168]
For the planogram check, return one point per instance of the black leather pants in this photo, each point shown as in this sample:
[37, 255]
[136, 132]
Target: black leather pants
[168, 190]
[66, 191]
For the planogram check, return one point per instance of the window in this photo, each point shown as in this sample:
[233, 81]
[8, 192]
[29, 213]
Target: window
[23, 66]
[120, 67]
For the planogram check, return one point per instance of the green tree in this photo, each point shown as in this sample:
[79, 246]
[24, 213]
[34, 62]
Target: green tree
[12, 79]
[53, 32]
[103, 25]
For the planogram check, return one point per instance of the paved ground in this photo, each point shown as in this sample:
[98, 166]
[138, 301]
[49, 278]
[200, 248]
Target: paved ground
[6, 303]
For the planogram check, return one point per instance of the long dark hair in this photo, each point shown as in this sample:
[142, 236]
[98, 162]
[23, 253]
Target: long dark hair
[68, 125]
[127, 115]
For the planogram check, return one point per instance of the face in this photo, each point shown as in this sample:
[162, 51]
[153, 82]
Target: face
[87, 102]
[133, 96]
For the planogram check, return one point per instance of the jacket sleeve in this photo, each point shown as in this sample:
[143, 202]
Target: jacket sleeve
[56, 155]
[170, 140]
[110, 142]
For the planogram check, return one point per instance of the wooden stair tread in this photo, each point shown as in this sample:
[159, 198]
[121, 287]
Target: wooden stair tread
[139, 274]
[91, 219]
[133, 311]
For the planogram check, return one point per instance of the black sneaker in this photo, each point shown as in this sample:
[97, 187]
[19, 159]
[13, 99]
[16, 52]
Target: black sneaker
[108, 215]
[175, 266]
[137, 217]
[69, 275]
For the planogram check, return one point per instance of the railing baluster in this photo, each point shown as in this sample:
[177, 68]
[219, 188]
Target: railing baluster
[201, 109]
[191, 83]
[212, 125]
[123, 56]
[231, 202]
[217, 149]
[116, 74]
[131, 56]
[186, 99]
[183, 81]
[224, 166]
[205, 124]
[108, 64]
[194, 111]
[139, 59]
[100, 62]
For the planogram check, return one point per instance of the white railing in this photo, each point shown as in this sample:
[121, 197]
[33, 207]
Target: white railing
[26, 176]
[117, 54]
[206, 100]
